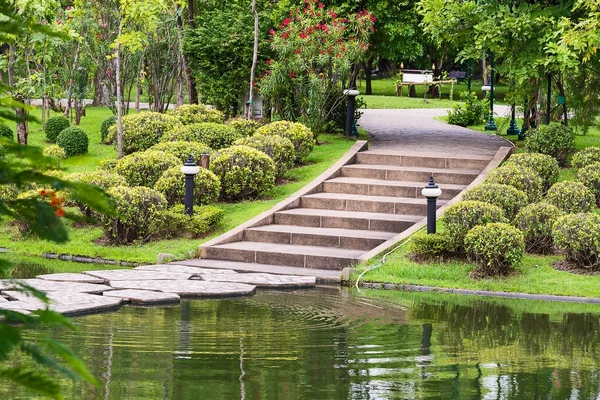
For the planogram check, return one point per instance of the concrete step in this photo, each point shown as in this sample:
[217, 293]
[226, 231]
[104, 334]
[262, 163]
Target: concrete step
[311, 236]
[345, 219]
[285, 254]
[410, 174]
[376, 204]
[429, 160]
[379, 187]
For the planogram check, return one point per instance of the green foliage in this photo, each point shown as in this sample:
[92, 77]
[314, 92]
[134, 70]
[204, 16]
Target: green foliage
[172, 185]
[145, 168]
[105, 128]
[244, 172]
[495, 248]
[101, 179]
[425, 247]
[216, 136]
[108, 165]
[524, 179]
[55, 151]
[555, 140]
[472, 112]
[6, 132]
[142, 131]
[461, 217]
[281, 150]
[244, 127]
[182, 149]
[585, 157]
[197, 113]
[544, 165]
[589, 176]
[54, 126]
[509, 199]
[578, 236]
[571, 197]
[74, 141]
[177, 223]
[300, 136]
[536, 221]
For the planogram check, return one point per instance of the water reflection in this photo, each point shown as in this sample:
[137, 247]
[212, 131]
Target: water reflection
[334, 344]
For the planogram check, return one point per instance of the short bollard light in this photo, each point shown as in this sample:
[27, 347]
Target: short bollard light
[432, 192]
[189, 169]
[350, 123]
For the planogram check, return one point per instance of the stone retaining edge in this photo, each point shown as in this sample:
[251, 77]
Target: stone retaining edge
[79, 259]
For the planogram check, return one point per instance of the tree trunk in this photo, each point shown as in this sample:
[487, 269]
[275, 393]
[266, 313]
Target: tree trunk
[368, 68]
[138, 86]
[561, 92]
[189, 80]
[250, 111]
[99, 98]
[20, 112]
[119, 105]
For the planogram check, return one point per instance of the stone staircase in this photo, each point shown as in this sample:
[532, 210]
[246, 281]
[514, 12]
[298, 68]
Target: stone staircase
[362, 204]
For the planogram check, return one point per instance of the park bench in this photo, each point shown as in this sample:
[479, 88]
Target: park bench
[412, 78]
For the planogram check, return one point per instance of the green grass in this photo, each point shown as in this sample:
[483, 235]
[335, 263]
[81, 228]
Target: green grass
[405, 102]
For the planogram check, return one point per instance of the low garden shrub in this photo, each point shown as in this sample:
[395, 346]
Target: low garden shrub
[544, 165]
[426, 247]
[244, 172]
[578, 236]
[216, 136]
[108, 165]
[2, 152]
[280, 149]
[472, 112]
[585, 157]
[145, 168]
[142, 131]
[524, 179]
[102, 179]
[508, 198]
[172, 185]
[196, 113]
[105, 128]
[177, 223]
[571, 197]
[589, 176]
[74, 141]
[495, 248]
[555, 140]
[6, 132]
[54, 126]
[182, 150]
[301, 137]
[244, 127]
[536, 221]
[55, 151]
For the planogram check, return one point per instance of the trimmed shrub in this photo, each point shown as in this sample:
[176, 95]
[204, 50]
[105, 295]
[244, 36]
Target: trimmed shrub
[138, 215]
[426, 247]
[244, 127]
[74, 141]
[461, 217]
[589, 176]
[585, 157]
[142, 131]
[54, 126]
[177, 223]
[495, 248]
[182, 150]
[578, 236]
[145, 168]
[472, 112]
[197, 113]
[6, 132]
[102, 179]
[108, 165]
[244, 172]
[105, 127]
[301, 137]
[281, 150]
[544, 165]
[2, 152]
[55, 151]
[536, 221]
[172, 185]
[216, 136]
[509, 199]
[8, 192]
[524, 179]
[555, 140]
[571, 197]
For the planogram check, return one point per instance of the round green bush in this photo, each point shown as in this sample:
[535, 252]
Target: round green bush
[145, 168]
[244, 172]
[6, 132]
[105, 127]
[196, 113]
[536, 221]
[461, 217]
[578, 236]
[74, 141]
[108, 165]
[182, 150]
[571, 197]
[589, 176]
[281, 150]
[2, 152]
[138, 215]
[216, 136]
[102, 179]
[544, 165]
[55, 151]
[555, 140]
[495, 248]
[142, 131]
[524, 179]
[425, 247]
[509, 199]
[585, 157]
[301, 137]
[172, 185]
[244, 127]
[54, 126]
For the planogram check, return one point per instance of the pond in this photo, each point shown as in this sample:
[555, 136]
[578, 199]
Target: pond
[336, 343]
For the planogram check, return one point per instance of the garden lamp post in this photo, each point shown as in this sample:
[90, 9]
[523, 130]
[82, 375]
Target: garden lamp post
[189, 169]
[350, 123]
[491, 124]
[432, 192]
[513, 128]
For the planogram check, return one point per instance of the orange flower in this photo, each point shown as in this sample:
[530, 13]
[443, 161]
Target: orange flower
[60, 212]
[43, 193]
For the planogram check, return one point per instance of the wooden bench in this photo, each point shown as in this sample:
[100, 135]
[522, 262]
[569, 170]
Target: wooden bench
[412, 78]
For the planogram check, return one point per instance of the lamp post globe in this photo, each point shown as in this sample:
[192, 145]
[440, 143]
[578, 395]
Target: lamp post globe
[190, 170]
[431, 191]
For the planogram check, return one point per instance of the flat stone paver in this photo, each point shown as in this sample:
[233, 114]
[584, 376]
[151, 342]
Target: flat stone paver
[137, 296]
[53, 286]
[137, 275]
[64, 303]
[264, 280]
[191, 288]
[183, 269]
[71, 277]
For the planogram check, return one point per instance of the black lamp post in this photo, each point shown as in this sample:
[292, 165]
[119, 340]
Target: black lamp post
[189, 169]
[432, 192]
[513, 128]
[491, 124]
[350, 123]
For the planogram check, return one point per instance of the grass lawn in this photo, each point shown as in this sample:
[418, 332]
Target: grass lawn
[378, 101]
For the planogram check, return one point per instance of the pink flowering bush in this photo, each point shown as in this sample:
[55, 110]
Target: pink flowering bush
[315, 50]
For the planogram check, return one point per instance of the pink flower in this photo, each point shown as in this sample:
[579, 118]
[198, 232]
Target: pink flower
[285, 35]
[103, 25]
[68, 8]
[321, 5]
[298, 51]
[303, 35]
[292, 74]
[286, 22]
[272, 32]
